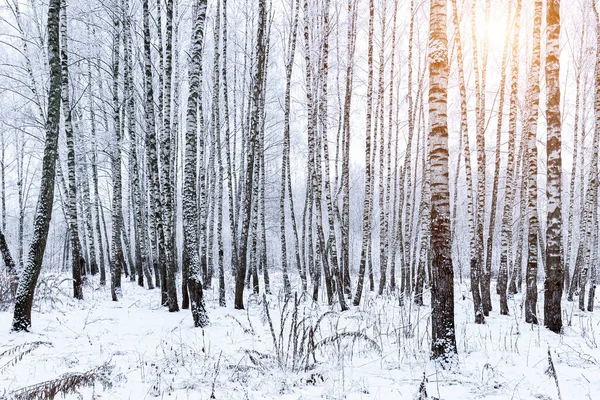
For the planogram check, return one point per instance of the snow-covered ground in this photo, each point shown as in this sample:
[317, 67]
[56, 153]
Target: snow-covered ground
[376, 351]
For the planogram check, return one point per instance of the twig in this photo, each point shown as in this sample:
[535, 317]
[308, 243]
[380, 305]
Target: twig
[551, 371]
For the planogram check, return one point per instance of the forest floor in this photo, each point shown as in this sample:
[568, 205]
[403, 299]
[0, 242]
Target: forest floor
[379, 350]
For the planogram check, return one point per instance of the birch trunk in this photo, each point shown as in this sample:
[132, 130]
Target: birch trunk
[570, 285]
[516, 278]
[94, 166]
[389, 200]
[257, 84]
[345, 181]
[117, 206]
[496, 182]
[219, 182]
[591, 198]
[156, 229]
[31, 270]
[383, 217]
[424, 225]
[443, 343]
[405, 223]
[189, 202]
[77, 262]
[533, 98]
[285, 164]
[554, 282]
[475, 272]
[511, 178]
[366, 220]
[166, 187]
[332, 240]
[478, 261]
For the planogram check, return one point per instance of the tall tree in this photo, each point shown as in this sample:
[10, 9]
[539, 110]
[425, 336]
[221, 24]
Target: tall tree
[20, 196]
[167, 164]
[219, 152]
[71, 196]
[404, 224]
[571, 285]
[157, 238]
[553, 285]
[424, 227]
[332, 239]
[530, 130]
[87, 210]
[312, 185]
[366, 220]
[383, 214]
[345, 181]
[393, 131]
[43, 214]
[189, 202]
[595, 184]
[475, 272]
[483, 259]
[516, 278]
[256, 112]
[479, 209]
[116, 259]
[588, 248]
[498, 158]
[139, 228]
[94, 167]
[230, 158]
[443, 343]
[506, 233]
[285, 164]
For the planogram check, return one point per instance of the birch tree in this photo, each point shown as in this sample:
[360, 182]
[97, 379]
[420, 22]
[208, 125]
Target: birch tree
[366, 219]
[553, 284]
[533, 99]
[166, 183]
[595, 184]
[43, 213]
[571, 285]
[443, 343]
[94, 168]
[588, 247]
[481, 164]
[285, 162]
[257, 85]
[475, 271]
[155, 206]
[189, 200]
[345, 181]
[116, 259]
[71, 196]
[506, 232]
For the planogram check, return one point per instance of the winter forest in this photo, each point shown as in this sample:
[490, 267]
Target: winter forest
[298, 199]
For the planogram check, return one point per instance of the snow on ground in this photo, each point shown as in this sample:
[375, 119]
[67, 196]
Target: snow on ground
[376, 351]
